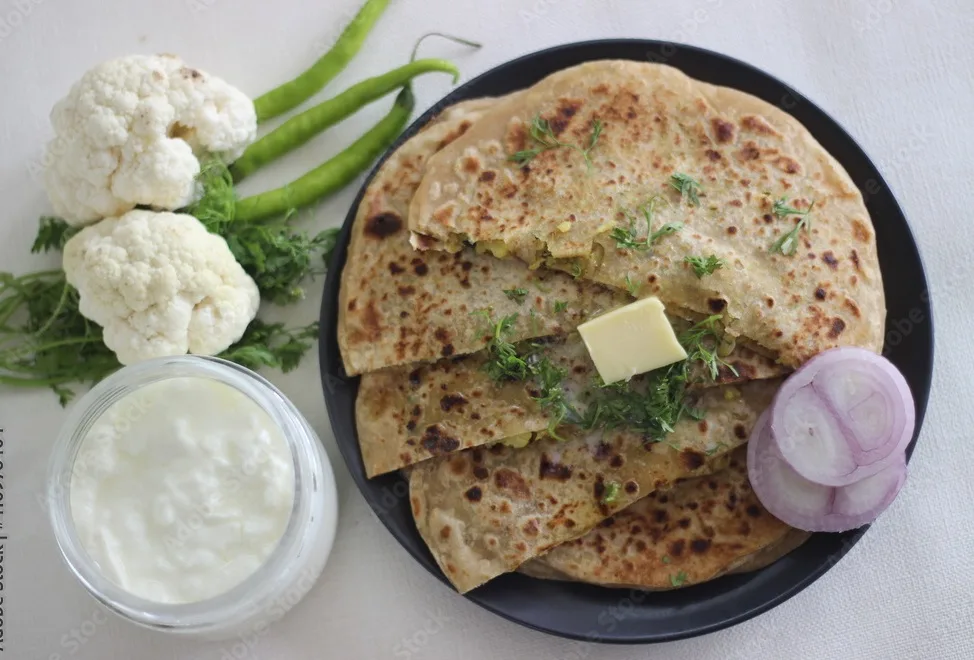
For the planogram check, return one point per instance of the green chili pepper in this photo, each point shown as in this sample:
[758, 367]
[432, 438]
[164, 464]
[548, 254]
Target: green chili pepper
[333, 174]
[295, 92]
[301, 128]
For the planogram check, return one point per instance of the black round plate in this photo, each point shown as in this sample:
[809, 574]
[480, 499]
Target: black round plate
[592, 613]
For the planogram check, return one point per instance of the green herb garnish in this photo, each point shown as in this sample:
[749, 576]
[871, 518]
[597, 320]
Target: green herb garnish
[551, 396]
[704, 265]
[545, 140]
[632, 287]
[611, 493]
[655, 403]
[560, 306]
[687, 186]
[276, 256]
[576, 269]
[782, 209]
[666, 559]
[517, 295]
[503, 361]
[788, 243]
[627, 237]
[679, 579]
[651, 405]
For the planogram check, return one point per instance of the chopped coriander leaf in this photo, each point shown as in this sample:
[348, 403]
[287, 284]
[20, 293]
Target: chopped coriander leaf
[503, 361]
[666, 559]
[651, 405]
[781, 208]
[704, 265]
[654, 404]
[700, 343]
[551, 395]
[626, 237]
[560, 306]
[632, 287]
[517, 295]
[545, 140]
[679, 579]
[687, 186]
[787, 244]
[611, 493]
[576, 269]
[665, 230]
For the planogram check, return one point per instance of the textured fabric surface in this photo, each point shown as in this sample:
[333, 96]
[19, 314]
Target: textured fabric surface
[896, 73]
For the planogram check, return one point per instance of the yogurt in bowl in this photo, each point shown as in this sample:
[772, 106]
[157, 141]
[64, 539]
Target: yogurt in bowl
[190, 496]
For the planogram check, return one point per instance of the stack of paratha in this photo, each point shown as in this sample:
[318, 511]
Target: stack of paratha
[512, 221]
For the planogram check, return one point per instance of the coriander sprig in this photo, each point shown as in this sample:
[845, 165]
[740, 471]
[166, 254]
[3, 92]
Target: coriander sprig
[787, 244]
[687, 186]
[504, 363]
[651, 405]
[704, 265]
[517, 295]
[277, 257]
[627, 237]
[545, 140]
[679, 579]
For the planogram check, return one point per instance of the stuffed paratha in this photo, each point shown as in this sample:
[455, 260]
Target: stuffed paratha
[408, 414]
[398, 305]
[484, 512]
[696, 531]
[597, 147]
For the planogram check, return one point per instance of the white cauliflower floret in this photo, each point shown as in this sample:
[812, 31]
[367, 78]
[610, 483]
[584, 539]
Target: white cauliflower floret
[160, 284]
[131, 131]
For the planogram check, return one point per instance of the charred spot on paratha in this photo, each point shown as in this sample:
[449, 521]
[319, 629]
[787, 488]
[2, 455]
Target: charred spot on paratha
[474, 494]
[692, 460]
[554, 470]
[437, 442]
[511, 481]
[723, 130]
[829, 258]
[838, 325]
[383, 225]
[451, 401]
[716, 305]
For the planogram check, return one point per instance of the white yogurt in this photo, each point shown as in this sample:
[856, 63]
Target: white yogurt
[182, 489]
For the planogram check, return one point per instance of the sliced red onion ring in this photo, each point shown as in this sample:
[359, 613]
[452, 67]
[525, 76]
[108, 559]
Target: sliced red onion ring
[847, 414]
[813, 507]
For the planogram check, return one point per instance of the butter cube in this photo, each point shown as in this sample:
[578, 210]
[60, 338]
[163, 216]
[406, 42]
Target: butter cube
[631, 340]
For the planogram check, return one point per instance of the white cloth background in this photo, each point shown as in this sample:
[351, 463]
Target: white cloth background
[896, 73]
